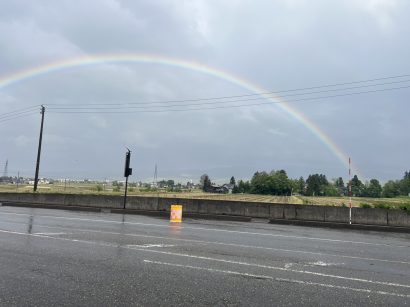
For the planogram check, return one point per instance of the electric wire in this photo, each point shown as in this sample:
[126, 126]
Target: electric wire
[17, 112]
[221, 101]
[17, 116]
[267, 93]
[20, 113]
[168, 108]
[124, 105]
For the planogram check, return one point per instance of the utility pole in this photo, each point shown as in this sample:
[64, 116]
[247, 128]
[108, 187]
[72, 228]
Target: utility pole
[127, 173]
[350, 194]
[43, 110]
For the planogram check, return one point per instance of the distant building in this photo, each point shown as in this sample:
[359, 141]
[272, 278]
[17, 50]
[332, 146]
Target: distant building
[218, 189]
[229, 186]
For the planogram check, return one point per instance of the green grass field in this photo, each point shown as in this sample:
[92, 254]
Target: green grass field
[76, 188]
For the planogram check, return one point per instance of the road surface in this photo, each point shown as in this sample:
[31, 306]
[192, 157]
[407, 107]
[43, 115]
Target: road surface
[54, 257]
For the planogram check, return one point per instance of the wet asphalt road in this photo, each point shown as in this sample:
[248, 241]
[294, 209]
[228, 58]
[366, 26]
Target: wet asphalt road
[53, 257]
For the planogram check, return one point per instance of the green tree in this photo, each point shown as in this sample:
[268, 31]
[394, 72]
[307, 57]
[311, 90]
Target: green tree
[340, 186]
[373, 189]
[295, 185]
[391, 189]
[243, 187]
[260, 183]
[315, 185]
[357, 186]
[205, 182]
[283, 184]
[405, 184]
[301, 186]
[232, 181]
[235, 189]
[331, 190]
[274, 183]
[170, 183]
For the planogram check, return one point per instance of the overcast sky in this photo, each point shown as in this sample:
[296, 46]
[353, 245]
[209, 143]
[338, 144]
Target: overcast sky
[277, 45]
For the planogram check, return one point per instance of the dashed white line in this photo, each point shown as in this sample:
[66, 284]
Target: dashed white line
[322, 263]
[149, 245]
[51, 233]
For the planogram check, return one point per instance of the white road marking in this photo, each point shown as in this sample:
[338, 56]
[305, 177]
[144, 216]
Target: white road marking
[235, 245]
[280, 269]
[213, 259]
[210, 229]
[321, 263]
[149, 245]
[277, 279]
[220, 243]
[51, 233]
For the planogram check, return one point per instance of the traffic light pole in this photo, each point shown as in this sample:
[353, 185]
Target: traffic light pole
[125, 193]
[127, 173]
[43, 109]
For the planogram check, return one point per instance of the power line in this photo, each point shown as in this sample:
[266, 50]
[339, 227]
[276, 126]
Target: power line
[168, 108]
[97, 107]
[129, 104]
[17, 112]
[266, 93]
[15, 117]
[118, 106]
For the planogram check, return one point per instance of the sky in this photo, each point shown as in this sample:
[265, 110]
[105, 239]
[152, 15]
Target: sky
[195, 52]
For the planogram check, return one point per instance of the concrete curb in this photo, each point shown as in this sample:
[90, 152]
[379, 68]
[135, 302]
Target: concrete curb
[340, 225]
[43, 206]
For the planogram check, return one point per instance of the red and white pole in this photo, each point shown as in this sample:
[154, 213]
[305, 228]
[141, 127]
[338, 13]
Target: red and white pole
[350, 194]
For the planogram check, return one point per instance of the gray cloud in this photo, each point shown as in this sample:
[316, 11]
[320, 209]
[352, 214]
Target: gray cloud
[278, 45]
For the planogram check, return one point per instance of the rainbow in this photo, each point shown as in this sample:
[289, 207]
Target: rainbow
[88, 60]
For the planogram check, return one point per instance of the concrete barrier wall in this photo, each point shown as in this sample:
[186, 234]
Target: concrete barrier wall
[310, 213]
[367, 216]
[399, 218]
[336, 214]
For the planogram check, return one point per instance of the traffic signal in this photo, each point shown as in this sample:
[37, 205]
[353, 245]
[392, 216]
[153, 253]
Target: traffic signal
[127, 169]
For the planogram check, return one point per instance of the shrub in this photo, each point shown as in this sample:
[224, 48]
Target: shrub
[405, 207]
[131, 189]
[382, 206]
[98, 188]
[364, 205]
[116, 189]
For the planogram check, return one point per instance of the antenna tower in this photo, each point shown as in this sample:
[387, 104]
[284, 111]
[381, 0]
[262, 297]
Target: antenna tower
[6, 169]
[155, 182]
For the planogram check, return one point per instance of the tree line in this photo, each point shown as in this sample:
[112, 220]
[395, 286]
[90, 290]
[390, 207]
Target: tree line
[278, 183]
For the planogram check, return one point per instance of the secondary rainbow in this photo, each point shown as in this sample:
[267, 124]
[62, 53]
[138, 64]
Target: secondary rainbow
[88, 60]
